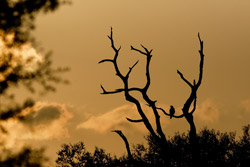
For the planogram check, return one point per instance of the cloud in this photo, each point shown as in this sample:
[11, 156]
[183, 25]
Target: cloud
[245, 104]
[207, 111]
[42, 121]
[111, 120]
[42, 115]
[116, 119]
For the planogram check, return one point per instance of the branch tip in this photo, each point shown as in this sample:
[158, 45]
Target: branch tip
[104, 91]
[200, 38]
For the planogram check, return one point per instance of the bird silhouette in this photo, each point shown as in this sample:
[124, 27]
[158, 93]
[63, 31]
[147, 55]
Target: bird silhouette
[171, 111]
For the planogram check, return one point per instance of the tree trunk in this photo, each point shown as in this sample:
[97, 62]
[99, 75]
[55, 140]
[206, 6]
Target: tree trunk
[195, 149]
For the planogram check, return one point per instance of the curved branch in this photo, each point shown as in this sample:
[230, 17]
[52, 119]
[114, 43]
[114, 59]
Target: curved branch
[105, 60]
[119, 132]
[134, 121]
[164, 112]
[119, 90]
[132, 48]
[194, 107]
[184, 79]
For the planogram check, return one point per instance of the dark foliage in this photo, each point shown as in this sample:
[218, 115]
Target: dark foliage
[26, 158]
[76, 155]
[216, 150]
[18, 16]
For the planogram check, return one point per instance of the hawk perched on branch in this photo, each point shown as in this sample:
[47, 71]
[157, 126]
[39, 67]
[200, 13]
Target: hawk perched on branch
[171, 111]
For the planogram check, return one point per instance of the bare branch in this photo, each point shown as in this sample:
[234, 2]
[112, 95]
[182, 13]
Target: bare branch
[194, 107]
[131, 68]
[105, 60]
[127, 90]
[145, 48]
[120, 90]
[184, 79]
[148, 52]
[201, 42]
[134, 121]
[192, 97]
[150, 102]
[134, 65]
[201, 61]
[112, 41]
[119, 132]
[118, 73]
[104, 91]
[164, 112]
[132, 48]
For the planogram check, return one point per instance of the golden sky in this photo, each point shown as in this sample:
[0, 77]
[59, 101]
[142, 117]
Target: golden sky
[77, 35]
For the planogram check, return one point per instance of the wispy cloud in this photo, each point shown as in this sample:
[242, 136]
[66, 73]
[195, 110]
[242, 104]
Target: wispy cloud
[42, 121]
[207, 111]
[245, 104]
[116, 119]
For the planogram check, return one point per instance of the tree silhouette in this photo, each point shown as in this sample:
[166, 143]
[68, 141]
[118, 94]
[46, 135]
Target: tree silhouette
[158, 134]
[186, 107]
[76, 155]
[216, 149]
[242, 153]
[18, 16]
[27, 157]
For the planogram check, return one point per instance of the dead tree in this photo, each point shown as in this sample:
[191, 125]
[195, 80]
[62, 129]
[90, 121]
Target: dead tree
[192, 97]
[157, 133]
[187, 105]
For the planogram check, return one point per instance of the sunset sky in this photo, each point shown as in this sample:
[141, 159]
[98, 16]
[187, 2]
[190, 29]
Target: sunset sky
[77, 35]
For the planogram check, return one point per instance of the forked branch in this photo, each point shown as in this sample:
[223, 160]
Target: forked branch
[126, 88]
[150, 102]
[194, 88]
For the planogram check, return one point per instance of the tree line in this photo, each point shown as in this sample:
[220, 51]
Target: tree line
[217, 149]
